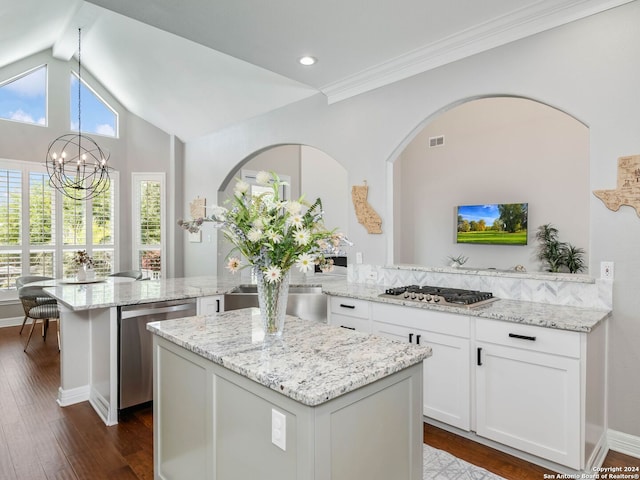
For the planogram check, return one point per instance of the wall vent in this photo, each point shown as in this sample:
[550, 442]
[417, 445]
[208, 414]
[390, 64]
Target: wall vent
[436, 141]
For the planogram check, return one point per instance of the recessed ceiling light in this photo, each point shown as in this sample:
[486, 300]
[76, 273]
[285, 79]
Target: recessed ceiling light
[307, 60]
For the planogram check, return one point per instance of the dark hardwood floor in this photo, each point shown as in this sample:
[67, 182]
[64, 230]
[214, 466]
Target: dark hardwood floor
[39, 440]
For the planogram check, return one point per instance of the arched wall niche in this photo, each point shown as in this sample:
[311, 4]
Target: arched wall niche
[311, 171]
[497, 149]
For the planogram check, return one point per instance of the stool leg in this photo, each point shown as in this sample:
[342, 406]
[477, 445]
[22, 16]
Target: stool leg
[30, 333]
[23, 322]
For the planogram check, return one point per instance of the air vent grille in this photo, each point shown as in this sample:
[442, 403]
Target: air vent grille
[436, 141]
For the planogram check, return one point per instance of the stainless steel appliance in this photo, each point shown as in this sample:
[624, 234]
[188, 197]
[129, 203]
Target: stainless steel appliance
[304, 301]
[135, 352]
[439, 295]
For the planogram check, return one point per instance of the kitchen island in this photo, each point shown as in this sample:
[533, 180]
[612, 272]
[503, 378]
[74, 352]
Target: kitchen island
[320, 403]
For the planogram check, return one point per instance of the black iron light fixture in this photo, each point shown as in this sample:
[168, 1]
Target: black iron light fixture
[76, 165]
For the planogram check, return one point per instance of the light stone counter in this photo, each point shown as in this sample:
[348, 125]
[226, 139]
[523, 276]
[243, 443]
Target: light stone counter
[106, 294]
[320, 402]
[530, 313]
[312, 363]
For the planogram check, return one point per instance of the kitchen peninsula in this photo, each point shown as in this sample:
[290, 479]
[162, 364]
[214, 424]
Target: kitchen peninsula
[321, 402]
[89, 332]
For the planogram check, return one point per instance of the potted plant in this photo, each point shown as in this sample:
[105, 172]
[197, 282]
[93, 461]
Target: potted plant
[84, 262]
[458, 261]
[557, 254]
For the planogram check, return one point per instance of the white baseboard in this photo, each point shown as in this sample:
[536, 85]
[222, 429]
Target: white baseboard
[624, 443]
[105, 411]
[11, 321]
[73, 396]
[598, 455]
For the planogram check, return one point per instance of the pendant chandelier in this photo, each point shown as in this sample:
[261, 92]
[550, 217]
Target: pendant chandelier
[76, 165]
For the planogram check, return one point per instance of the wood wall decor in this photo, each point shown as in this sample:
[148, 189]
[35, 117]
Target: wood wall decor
[628, 190]
[198, 207]
[365, 213]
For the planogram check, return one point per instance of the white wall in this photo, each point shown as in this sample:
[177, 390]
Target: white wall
[589, 69]
[496, 150]
[322, 177]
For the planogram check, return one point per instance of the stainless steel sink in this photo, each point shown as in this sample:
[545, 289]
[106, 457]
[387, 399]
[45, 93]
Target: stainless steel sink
[304, 301]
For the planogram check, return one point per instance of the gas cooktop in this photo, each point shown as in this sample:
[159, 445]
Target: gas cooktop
[455, 297]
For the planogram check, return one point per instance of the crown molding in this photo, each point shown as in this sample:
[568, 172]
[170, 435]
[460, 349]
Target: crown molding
[539, 17]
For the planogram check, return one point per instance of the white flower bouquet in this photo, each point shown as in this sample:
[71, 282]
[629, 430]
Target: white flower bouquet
[273, 234]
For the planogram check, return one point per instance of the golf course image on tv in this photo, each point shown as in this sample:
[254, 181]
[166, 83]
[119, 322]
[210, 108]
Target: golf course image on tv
[493, 224]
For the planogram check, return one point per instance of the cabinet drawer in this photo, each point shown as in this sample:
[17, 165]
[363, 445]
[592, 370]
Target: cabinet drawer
[529, 337]
[422, 319]
[350, 307]
[351, 323]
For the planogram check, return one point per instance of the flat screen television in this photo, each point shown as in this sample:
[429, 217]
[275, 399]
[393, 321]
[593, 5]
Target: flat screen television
[493, 224]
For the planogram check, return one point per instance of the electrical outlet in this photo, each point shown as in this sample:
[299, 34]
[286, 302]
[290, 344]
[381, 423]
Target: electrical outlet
[372, 276]
[278, 429]
[606, 270]
[359, 258]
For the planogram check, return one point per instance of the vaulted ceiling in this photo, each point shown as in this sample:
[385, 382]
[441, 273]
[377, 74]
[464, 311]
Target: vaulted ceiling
[191, 67]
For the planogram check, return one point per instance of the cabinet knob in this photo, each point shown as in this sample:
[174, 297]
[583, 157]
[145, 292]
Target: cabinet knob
[217, 305]
[479, 359]
[411, 338]
[418, 339]
[348, 328]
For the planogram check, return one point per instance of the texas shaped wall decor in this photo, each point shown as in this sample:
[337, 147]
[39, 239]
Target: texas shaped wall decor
[628, 189]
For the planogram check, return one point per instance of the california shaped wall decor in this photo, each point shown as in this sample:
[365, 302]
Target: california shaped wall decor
[364, 211]
[197, 209]
[627, 191]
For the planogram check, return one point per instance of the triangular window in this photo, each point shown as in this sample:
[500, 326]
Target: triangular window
[24, 98]
[95, 115]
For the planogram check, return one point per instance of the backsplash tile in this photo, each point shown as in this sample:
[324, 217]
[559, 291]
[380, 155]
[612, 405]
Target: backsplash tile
[555, 289]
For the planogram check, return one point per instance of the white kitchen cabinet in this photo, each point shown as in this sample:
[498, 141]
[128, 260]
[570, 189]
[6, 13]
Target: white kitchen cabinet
[538, 390]
[211, 305]
[528, 389]
[350, 313]
[447, 376]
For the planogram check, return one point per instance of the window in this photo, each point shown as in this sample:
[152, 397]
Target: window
[97, 116]
[24, 98]
[42, 215]
[10, 226]
[148, 220]
[40, 229]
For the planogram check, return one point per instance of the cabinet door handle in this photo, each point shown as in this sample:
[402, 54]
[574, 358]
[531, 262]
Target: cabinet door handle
[347, 306]
[522, 337]
[418, 339]
[348, 328]
[411, 338]
[217, 305]
[479, 359]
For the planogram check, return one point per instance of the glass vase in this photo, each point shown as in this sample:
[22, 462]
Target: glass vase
[272, 300]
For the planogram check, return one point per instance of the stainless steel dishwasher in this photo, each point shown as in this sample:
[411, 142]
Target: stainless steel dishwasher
[135, 347]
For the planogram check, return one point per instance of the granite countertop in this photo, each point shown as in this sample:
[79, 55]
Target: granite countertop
[530, 313]
[311, 363]
[105, 295]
